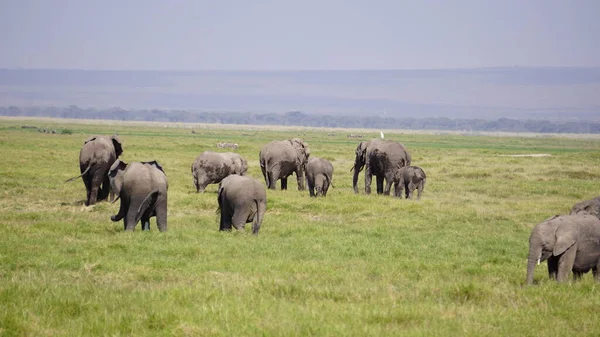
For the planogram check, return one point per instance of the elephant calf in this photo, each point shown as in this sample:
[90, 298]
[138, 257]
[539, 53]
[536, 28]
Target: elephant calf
[142, 188]
[569, 243]
[409, 178]
[319, 175]
[211, 167]
[591, 206]
[242, 200]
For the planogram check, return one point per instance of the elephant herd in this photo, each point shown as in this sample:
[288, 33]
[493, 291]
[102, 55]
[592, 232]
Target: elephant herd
[142, 186]
[569, 243]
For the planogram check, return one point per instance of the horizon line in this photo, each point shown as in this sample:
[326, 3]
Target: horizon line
[304, 70]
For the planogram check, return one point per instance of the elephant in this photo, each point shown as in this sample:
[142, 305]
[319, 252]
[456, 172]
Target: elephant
[319, 175]
[211, 167]
[242, 200]
[409, 178]
[380, 158]
[569, 243]
[95, 158]
[279, 159]
[591, 206]
[142, 188]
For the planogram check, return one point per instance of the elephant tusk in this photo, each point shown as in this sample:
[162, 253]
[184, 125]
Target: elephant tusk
[538, 262]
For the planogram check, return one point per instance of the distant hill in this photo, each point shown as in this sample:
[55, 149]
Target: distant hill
[488, 93]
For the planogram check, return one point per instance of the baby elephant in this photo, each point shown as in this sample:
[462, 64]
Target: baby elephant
[211, 167]
[409, 178]
[242, 200]
[319, 175]
[142, 188]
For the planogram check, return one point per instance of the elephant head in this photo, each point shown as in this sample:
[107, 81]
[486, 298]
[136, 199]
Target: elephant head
[591, 206]
[302, 151]
[115, 175]
[359, 162]
[117, 144]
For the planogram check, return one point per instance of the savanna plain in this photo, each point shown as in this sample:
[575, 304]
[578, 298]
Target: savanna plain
[451, 264]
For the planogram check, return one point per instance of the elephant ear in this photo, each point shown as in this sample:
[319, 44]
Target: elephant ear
[302, 150]
[117, 144]
[155, 164]
[90, 139]
[566, 236]
[117, 166]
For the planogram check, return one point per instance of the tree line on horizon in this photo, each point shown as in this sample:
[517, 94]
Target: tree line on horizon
[298, 118]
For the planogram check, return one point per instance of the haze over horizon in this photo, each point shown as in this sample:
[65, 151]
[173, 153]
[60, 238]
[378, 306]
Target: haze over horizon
[291, 35]
[465, 58]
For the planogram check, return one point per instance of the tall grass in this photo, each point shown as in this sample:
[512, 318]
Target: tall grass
[364, 265]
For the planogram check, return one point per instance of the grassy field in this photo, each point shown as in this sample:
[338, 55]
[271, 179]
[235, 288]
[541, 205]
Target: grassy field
[346, 265]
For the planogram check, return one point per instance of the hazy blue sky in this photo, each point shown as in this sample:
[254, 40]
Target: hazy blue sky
[290, 35]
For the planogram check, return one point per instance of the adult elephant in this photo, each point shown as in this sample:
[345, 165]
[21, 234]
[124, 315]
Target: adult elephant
[212, 167]
[319, 176]
[242, 200]
[95, 159]
[379, 158]
[279, 159]
[569, 243]
[591, 206]
[142, 188]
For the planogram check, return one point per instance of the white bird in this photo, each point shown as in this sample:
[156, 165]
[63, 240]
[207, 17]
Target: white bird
[381, 131]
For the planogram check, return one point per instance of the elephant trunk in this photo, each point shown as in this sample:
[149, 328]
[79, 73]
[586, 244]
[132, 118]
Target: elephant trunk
[535, 253]
[357, 170]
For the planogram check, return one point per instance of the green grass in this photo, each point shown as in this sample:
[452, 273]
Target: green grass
[346, 265]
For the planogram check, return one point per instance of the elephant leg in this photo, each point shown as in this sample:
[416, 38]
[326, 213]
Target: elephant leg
[240, 216]
[398, 189]
[161, 215]
[325, 187]
[565, 263]
[368, 178]
[409, 191]
[577, 275]
[226, 214]
[131, 214]
[87, 181]
[104, 189]
[300, 180]
[379, 180]
[388, 186]
[552, 267]
[419, 190]
[96, 182]
[284, 183]
[595, 272]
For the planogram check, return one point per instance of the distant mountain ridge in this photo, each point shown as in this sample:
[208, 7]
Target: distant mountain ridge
[559, 93]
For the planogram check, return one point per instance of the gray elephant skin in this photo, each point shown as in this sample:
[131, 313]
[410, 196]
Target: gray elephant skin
[569, 243]
[242, 200]
[379, 158]
[212, 167]
[591, 206]
[279, 159]
[95, 159]
[409, 178]
[319, 176]
[142, 188]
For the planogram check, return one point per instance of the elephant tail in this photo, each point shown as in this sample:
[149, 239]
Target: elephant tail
[257, 218]
[329, 180]
[79, 176]
[148, 204]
